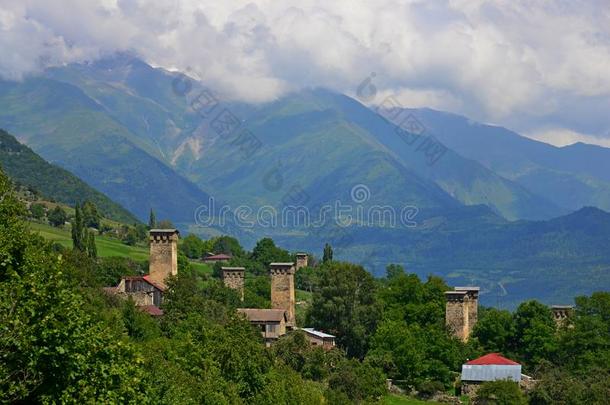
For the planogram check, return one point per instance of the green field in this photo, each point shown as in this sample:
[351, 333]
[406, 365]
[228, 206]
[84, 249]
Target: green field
[106, 246]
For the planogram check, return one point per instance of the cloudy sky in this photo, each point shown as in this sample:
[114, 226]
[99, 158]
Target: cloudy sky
[539, 67]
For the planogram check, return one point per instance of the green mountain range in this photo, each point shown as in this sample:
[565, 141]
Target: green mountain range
[476, 214]
[25, 167]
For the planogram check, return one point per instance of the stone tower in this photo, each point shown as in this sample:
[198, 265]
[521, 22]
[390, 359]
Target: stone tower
[233, 277]
[163, 261]
[461, 311]
[282, 290]
[302, 260]
[473, 305]
[561, 313]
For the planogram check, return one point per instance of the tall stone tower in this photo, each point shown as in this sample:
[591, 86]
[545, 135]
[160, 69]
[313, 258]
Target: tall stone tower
[461, 311]
[282, 290]
[473, 305]
[163, 260]
[233, 277]
[456, 313]
[561, 313]
[302, 260]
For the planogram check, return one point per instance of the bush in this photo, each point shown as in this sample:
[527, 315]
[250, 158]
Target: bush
[57, 216]
[501, 392]
[37, 211]
[358, 381]
[427, 389]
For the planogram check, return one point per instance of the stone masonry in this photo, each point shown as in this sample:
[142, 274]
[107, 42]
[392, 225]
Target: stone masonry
[561, 313]
[473, 305]
[163, 254]
[233, 277]
[302, 260]
[282, 290]
[461, 311]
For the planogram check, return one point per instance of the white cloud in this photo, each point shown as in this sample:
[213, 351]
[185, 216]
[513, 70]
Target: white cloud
[563, 137]
[496, 61]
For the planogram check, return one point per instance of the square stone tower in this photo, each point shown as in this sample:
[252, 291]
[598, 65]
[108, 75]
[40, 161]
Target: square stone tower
[473, 305]
[302, 260]
[233, 277]
[461, 311]
[282, 289]
[561, 313]
[163, 260]
[456, 313]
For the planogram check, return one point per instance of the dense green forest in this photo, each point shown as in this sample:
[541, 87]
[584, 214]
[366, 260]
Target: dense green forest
[64, 341]
[30, 170]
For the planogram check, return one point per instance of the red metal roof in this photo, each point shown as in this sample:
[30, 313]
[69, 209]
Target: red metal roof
[158, 286]
[492, 359]
[151, 310]
[221, 256]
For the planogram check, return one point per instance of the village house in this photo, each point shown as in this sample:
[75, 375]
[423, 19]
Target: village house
[147, 291]
[272, 322]
[318, 338]
[490, 367]
[213, 258]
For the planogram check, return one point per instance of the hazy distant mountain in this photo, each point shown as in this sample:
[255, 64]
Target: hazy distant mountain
[67, 127]
[140, 98]
[572, 176]
[25, 167]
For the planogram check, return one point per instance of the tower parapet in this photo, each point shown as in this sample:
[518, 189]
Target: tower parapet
[561, 313]
[302, 260]
[233, 277]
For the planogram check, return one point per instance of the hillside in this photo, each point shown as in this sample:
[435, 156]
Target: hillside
[25, 167]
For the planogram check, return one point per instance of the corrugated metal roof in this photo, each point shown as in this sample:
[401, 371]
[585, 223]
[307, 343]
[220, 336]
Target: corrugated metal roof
[491, 372]
[317, 333]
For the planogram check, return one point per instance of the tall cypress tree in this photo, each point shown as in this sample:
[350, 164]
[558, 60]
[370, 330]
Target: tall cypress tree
[328, 254]
[91, 248]
[78, 230]
[152, 220]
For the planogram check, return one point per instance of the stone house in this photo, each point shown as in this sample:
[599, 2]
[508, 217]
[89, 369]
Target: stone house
[490, 367]
[222, 258]
[318, 338]
[271, 322]
[143, 291]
